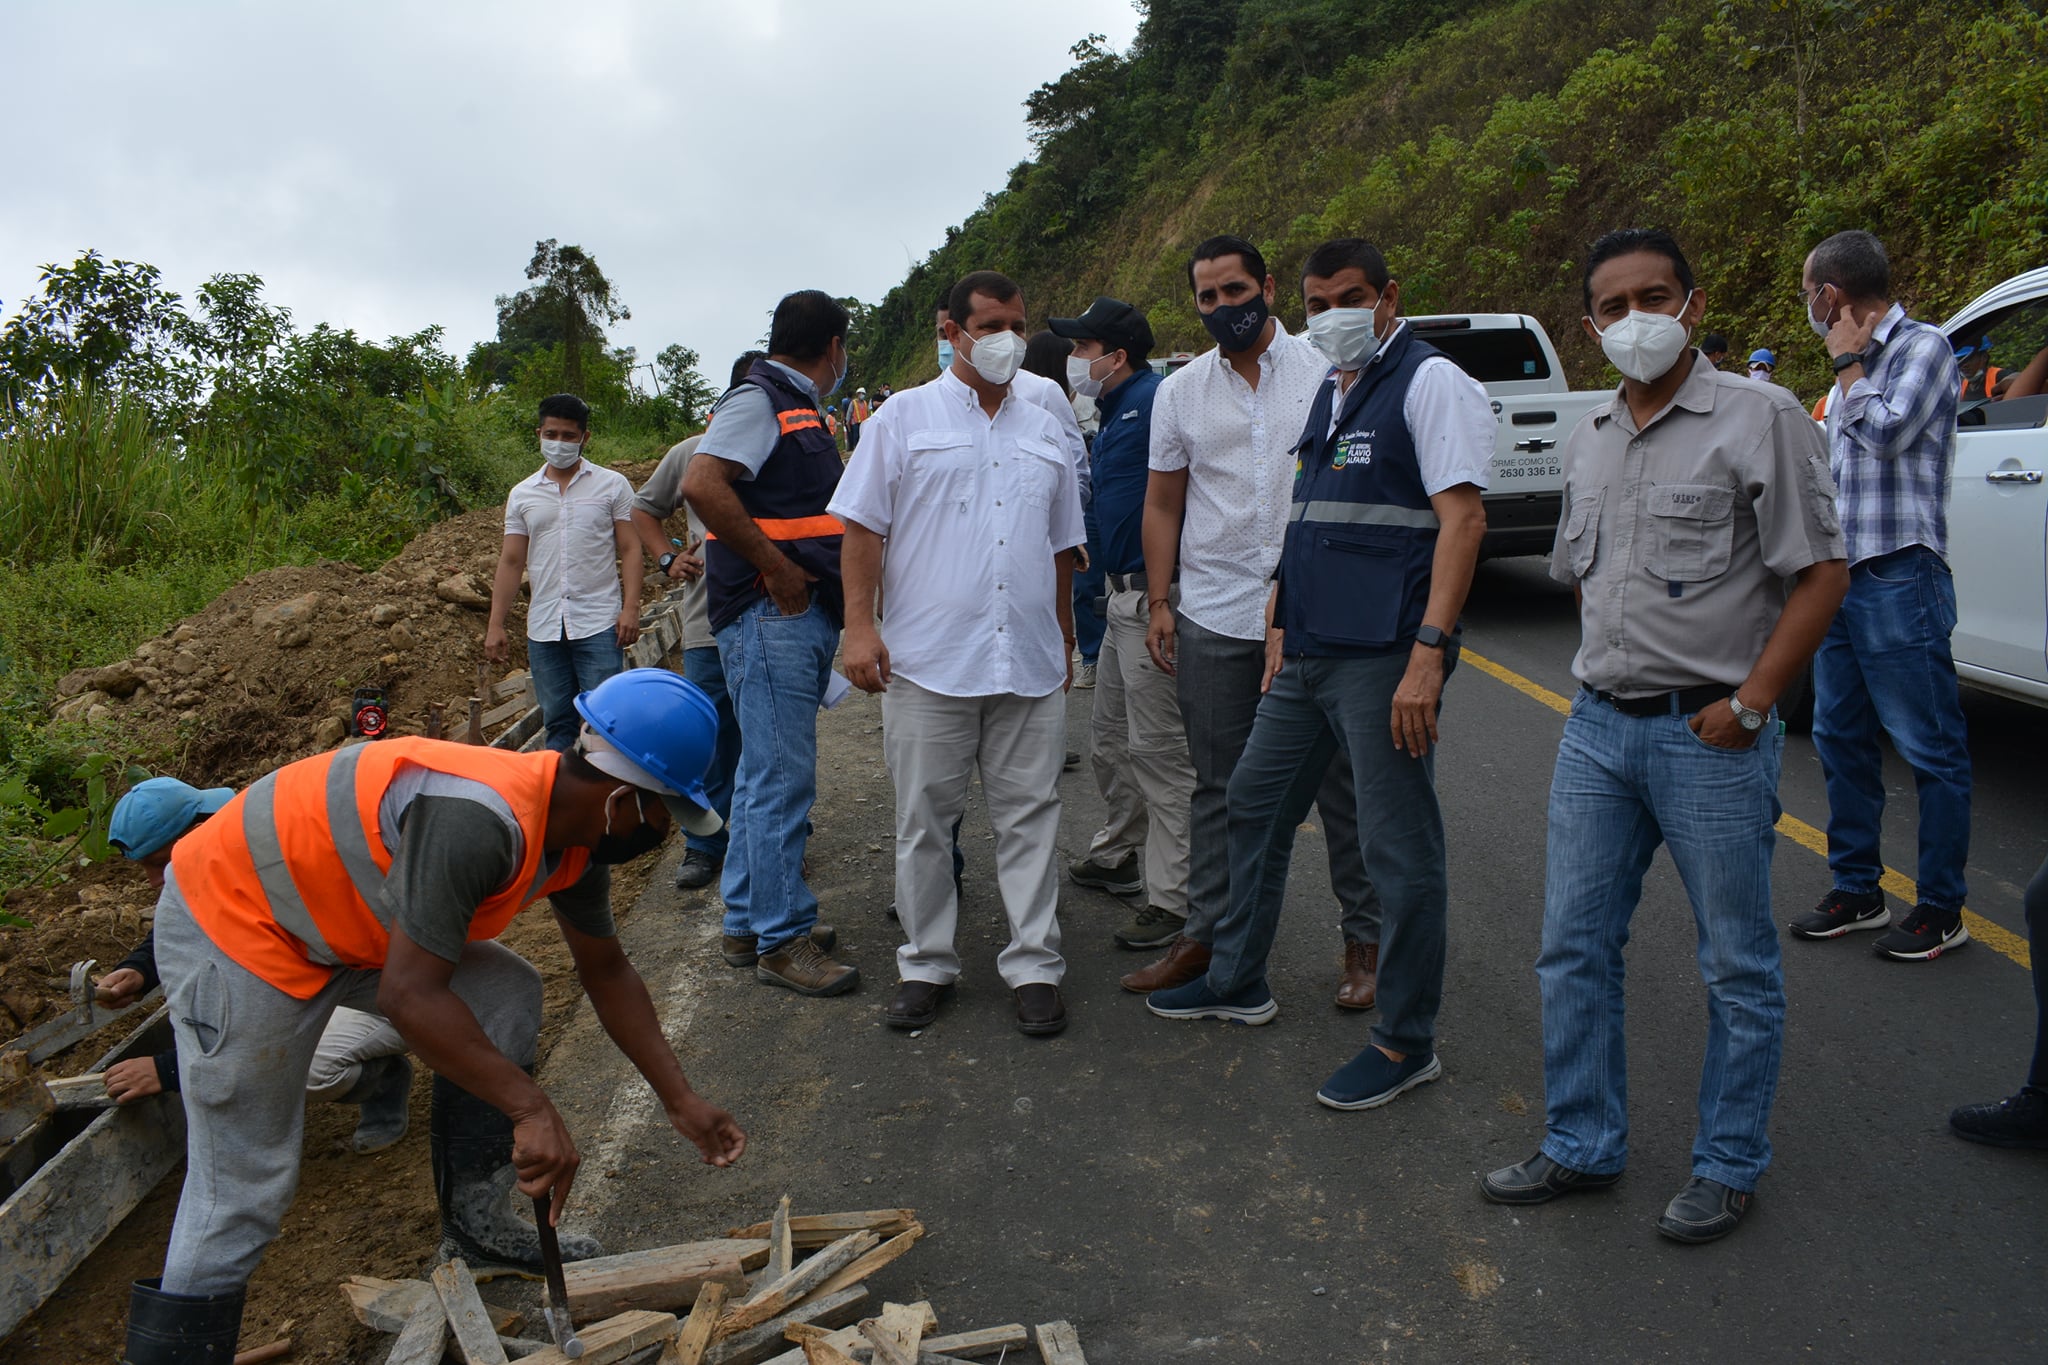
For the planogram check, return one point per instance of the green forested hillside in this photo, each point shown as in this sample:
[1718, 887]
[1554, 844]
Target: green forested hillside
[1484, 145]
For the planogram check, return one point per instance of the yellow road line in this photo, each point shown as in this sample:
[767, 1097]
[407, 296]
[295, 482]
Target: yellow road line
[1992, 936]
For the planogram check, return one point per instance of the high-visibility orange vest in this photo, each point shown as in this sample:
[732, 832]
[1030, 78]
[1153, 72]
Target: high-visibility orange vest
[288, 878]
[1986, 382]
[860, 410]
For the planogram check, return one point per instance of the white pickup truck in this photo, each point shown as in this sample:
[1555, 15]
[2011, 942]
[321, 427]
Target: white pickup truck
[1511, 355]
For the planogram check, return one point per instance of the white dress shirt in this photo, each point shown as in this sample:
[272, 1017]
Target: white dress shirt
[973, 510]
[1237, 445]
[1038, 390]
[572, 559]
[1449, 416]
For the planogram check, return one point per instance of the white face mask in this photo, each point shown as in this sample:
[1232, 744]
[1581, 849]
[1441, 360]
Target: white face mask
[1821, 325]
[997, 356]
[561, 454]
[1759, 372]
[1348, 337]
[1644, 346]
[1081, 376]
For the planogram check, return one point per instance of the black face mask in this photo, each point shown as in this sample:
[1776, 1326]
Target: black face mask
[1238, 326]
[624, 848]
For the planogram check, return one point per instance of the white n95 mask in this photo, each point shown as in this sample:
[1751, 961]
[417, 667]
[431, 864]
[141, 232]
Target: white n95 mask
[1644, 346]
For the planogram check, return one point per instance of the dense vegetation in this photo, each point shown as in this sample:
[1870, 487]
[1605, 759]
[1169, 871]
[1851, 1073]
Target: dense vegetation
[153, 450]
[1483, 145]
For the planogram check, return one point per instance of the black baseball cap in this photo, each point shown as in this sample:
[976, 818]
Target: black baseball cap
[1112, 322]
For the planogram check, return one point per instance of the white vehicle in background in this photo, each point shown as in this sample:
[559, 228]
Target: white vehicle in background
[1534, 411]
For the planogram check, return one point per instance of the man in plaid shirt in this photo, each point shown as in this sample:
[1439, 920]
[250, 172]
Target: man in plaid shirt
[1885, 667]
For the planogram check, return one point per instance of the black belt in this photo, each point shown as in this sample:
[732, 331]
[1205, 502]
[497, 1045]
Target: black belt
[1130, 582]
[1683, 702]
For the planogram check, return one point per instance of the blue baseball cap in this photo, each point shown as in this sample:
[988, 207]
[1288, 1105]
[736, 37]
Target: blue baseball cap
[1966, 349]
[153, 813]
[1763, 357]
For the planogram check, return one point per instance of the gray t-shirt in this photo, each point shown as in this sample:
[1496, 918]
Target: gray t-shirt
[453, 854]
[1680, 536]
[743, 427]
[661, 497]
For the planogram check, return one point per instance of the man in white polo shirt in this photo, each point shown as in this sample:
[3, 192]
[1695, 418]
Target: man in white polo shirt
[973, 490]
[569, 529]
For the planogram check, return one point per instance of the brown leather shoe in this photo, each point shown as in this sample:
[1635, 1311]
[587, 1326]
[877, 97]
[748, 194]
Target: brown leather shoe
[1184, 961]
[801, 966]
[1039, 1010]
[738, 950]
[916, 1004]
[1360, 986]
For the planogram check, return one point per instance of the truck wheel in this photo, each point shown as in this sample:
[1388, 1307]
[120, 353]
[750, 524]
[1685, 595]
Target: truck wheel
[1795, 708]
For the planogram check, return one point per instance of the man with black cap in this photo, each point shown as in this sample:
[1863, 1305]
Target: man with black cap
[1137, 744]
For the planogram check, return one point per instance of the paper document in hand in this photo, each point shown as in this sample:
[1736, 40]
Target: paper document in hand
[837, 690]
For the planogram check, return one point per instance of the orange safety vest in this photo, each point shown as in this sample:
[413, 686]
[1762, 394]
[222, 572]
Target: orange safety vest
[1992, 374]
[288, 880]
[860, 410]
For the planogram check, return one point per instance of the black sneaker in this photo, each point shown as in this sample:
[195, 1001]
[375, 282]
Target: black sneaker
[1926, 934]
[2016, 1121]
[1118, 879]
[698, 870]
[1842, 912]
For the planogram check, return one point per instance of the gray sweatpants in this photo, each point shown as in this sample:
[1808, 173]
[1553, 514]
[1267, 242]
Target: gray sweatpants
[245, 1049]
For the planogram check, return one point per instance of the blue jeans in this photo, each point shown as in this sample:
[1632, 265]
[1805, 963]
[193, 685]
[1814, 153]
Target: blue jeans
[1316, 710]
[1623, 785]
[703, 667]
[775, 671]
[1885, 669]
[561, 670]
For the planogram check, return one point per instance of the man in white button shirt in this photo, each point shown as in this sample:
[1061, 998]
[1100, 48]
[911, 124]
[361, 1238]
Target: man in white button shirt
[569, 529]
[1224, 428]
[975, 494]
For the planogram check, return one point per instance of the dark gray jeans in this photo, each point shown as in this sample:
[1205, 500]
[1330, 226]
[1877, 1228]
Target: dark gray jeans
[1317, 709]
[1218, 684]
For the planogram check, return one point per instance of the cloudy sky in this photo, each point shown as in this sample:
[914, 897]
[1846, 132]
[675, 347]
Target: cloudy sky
[386, 165]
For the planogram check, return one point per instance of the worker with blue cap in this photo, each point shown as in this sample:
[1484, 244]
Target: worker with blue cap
[1763, 365]
[378, 876]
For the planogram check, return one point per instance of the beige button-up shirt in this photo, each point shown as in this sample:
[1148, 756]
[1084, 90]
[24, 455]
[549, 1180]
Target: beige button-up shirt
[1681, 536]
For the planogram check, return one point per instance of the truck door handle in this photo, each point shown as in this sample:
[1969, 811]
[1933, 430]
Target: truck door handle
[1536, 444]
[2001, 475]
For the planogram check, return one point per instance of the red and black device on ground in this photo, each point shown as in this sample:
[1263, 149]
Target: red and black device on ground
[369, 717]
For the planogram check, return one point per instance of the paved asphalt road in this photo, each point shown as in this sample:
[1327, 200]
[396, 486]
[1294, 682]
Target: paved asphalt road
[1174, 1190]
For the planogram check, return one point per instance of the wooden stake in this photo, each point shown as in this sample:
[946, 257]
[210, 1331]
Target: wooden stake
[664, 1278]
[1060, 1344]
[687, 1346]
[475, 1341]
[612, 1340]
[775, 1297]
[808, 1231]
[781, 1255]
[861, 1267]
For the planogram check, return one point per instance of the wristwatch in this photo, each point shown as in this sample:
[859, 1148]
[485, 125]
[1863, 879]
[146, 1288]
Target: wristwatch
[665, 561]
[1751, 721]
[1432, 638]
[1843, 362]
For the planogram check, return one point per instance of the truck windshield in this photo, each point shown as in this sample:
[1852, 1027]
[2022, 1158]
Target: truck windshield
[1491, 355]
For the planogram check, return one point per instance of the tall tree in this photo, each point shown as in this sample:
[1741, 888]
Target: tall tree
[569, 305]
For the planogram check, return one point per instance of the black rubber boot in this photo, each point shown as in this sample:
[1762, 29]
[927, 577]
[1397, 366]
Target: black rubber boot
[471, 1146]
[384, 1090]
[181, 1329]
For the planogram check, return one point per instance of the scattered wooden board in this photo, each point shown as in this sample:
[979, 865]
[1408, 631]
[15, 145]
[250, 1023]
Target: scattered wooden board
[809, 1231]
[818, 1353]
[868, 1263]
[896, 1333]
[1060, 1344]
[756, 1344]
[688, 1345]
[663, 1279]
[781, 1253]
[475, 1340]
[776, 1297]
[386, 1305]
[986, 1342]
[424, 1337]
[81, 1092]
[612, 1340]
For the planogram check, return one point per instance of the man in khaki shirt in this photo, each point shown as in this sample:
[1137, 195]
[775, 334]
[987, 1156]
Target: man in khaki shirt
[1688, 504]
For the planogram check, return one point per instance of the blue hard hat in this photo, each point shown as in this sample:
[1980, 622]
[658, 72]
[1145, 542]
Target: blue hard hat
[153, 813]
[1763, 357]
[665, 728]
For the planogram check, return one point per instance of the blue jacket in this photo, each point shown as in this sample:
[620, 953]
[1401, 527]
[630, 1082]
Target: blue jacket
[1121, 464]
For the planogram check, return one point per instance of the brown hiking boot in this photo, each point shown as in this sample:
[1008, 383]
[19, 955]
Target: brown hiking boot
[804, 968]
[1360, 986]
[738, 950]
[1184, 961]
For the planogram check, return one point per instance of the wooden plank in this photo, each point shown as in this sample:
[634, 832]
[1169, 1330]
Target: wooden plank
[1060, 1344]
[519, 732]
[861, 1267]
[778, 1295]
[516, 685]
[781, 1255]
[663, 1278]
[424, 1336]
[612, 1340]
[986, 1341]
[24, 1100]
[809, 1231]
[818, 1353]
[263, 1355]
[896, 1333]
[81, 1092]
[475, 1341]
[384, 1305]
[851, 1340]
[756, 1344]
[688, 1345]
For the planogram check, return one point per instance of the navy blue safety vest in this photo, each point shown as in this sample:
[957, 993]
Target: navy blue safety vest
[1354, 570]
[787, 500]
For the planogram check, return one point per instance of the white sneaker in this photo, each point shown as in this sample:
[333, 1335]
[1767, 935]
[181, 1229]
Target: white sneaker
[1084, 676]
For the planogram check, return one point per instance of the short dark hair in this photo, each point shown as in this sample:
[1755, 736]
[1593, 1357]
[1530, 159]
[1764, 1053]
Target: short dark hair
[1627, 242]
[742, 365]
[1854, 262]
[1045, 353]
[806, 324]
[1216, 248]
[568, 407]
[1347, 253]
[989, 283]
[1713, 343]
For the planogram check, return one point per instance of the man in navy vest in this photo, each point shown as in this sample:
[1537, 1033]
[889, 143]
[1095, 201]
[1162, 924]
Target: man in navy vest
[760, 482]
[1380, 550]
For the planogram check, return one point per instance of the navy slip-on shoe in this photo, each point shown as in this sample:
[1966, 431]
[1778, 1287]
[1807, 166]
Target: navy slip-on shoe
[1196, 1001]
[1372, 1078]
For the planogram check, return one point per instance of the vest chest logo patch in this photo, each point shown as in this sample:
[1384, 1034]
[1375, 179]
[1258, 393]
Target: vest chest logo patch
[1353, 448]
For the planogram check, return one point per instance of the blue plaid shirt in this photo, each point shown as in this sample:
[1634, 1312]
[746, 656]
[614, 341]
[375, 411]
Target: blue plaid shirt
[1891, 441]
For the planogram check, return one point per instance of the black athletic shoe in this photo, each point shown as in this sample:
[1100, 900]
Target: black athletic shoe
[1842, 912]
[699, 869]
[2016, 1121]
[1926, 934]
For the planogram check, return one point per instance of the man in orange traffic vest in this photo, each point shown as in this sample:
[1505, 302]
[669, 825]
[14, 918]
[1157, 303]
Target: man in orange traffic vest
[376, 877]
